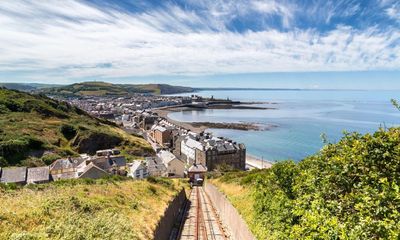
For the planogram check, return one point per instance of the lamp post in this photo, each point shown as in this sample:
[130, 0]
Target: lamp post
[262, 162]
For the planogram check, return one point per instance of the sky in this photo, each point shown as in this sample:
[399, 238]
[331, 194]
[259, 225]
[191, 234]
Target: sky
[343, 44]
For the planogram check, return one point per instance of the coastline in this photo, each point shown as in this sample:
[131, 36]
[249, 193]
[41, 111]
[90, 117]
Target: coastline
[199, 127]
[253, 162]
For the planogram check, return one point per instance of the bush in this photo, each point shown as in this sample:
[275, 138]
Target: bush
[43, 108]
[32, 162]
[50, 158]
[12, 105]
[16, 149]
[3, 162]
[3, 108]
[349, 190]
[153, 190]
[9, 186]
[68, 131]
[162, 181]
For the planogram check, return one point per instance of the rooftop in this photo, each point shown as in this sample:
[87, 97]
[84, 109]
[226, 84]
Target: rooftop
[197, 168]
[166, 156]
[38, 174]
[66, 163]
[135, 165]
[13, 175]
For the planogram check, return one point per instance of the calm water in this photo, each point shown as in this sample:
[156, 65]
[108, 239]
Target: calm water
[301, 117]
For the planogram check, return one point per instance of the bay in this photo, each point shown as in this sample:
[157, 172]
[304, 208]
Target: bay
[301, 116]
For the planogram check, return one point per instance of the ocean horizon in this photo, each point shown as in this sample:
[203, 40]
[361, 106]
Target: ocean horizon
[301, 118]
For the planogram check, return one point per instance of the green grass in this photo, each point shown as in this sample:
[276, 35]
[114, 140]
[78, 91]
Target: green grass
[85, 209]
[36, 126]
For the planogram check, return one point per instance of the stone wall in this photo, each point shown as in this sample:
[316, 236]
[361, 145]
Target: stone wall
[168, 220]
[230, 217]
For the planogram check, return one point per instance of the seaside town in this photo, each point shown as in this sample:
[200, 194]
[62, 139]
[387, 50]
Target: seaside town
[179, 152]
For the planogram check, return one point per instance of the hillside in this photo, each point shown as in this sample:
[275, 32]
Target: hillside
[27, 87]
[85, 209]
[108, 89]
[35, 130]
[349, 190]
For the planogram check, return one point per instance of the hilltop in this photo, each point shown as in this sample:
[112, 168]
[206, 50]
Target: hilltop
[108, 89]
[35, 130]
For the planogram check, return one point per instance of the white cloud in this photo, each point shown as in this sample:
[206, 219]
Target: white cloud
[286, 11]
[394, 11]
[71, 40]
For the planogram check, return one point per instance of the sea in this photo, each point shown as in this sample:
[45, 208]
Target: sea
[304, 119]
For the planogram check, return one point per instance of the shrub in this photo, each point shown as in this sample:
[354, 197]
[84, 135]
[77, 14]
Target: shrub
[32, 162]
[162, 181]
[12, 105]
[152, 189]
[3, 108]
[68, 131]
[50, 158]
[349, 190]
[16, 149]
[42, 108]
[3, 162]
[9, 186]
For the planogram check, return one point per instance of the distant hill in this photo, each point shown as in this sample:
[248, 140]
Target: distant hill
[35, 130]
[108, 89]
[27, 87]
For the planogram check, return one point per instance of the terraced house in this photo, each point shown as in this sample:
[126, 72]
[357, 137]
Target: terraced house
[211, 151]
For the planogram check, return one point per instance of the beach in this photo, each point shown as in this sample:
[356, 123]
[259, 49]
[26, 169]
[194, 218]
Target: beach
[255, 162]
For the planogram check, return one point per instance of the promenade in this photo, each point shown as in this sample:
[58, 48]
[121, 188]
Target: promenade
[254, 162]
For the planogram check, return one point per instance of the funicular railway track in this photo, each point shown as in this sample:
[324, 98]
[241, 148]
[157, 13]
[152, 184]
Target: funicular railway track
[202, 222]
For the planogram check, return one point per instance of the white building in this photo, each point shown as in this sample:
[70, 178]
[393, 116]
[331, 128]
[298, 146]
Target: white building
[188, 148]
[137, 169]
[126, 117]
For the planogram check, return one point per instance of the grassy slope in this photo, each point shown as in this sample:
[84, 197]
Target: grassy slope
[30, 125]
[103, 89]
[101, 209]
[242, 198]
[27, 86]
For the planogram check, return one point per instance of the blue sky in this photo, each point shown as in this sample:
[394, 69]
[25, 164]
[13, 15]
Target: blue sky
[346, 44]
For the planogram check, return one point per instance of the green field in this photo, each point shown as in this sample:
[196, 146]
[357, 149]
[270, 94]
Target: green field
[35, 130]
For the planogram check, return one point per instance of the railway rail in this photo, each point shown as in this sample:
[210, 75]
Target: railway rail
[201, 222]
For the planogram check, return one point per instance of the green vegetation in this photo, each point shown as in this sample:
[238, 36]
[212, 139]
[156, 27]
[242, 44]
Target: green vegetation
[349, 190]
[111, 208]
[108, 89]
[27, 86]
[36, 130]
